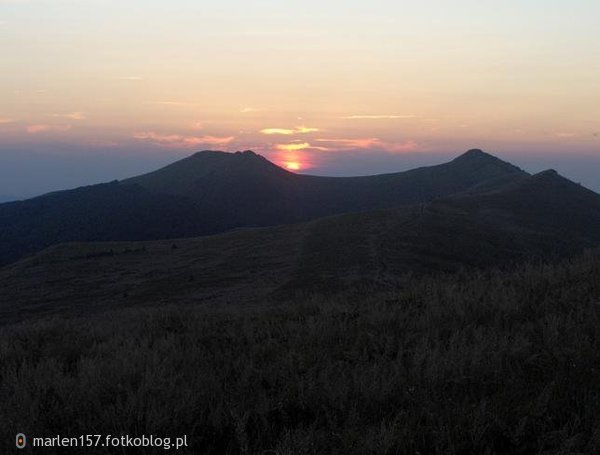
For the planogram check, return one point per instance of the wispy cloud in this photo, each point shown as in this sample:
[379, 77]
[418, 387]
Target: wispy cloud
[370, 143]
[4, 120]
[130, 78]
[216, 140]
[353, 143]
[565, 134]
[282, 131]
[72, 116]
[43, 128]
[179, 140]
[296, 146]
[380, 117]
[293, 147]
[289, 132]
[304, 130]
[249, 110]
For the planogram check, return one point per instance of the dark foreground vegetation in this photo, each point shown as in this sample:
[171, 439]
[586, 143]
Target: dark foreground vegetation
[482, 363]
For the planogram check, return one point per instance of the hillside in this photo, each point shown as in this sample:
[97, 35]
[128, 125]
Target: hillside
[474, 363]
[212, 192]
[544, 201]
[540, 217]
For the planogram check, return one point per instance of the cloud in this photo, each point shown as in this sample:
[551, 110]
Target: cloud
[380, 117]
[293, 147]
[298, 145]
[4, 120]
[565, 134]
[354, 143]
[248, 110]
[281, 131]
[42, 128]
[130, 78]
[289, 132]
[372, 144]
[72, 116]
[178, 140]
[304, 130]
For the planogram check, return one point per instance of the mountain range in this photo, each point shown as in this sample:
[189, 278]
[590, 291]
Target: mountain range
[475, 212]
[211, 192]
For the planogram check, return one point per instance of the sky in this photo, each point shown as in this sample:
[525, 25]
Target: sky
[96, 90]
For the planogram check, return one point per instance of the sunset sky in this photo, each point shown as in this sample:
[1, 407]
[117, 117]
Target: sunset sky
[98, 89]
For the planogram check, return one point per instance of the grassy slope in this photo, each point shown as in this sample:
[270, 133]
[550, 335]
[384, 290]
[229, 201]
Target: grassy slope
[89, 277]
[544, 216]
[471, 364]
[380, 248]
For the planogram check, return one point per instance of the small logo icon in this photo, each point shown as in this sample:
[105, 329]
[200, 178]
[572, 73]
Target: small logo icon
[21, 441]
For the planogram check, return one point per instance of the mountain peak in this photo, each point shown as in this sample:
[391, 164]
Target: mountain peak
[207, 152]
[476, 154]
[478, 157]
[550, 177]
[547, 173]
[478, 160]
[552, 187]
[250, 155]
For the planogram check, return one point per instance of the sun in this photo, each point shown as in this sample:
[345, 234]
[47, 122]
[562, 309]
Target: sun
[292, 165]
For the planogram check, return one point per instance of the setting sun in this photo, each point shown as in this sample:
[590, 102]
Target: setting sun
[293, 165]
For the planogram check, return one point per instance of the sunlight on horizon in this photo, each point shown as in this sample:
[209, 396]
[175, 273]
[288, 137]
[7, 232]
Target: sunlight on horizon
[293, 165]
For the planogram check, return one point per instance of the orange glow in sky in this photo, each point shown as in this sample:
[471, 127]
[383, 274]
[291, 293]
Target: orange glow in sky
[293, 165]
[310, 77]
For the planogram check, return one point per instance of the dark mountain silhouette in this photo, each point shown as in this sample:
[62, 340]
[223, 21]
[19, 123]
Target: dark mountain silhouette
[211, 192]
[543, 216]
[245, 189]
[544, 202]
